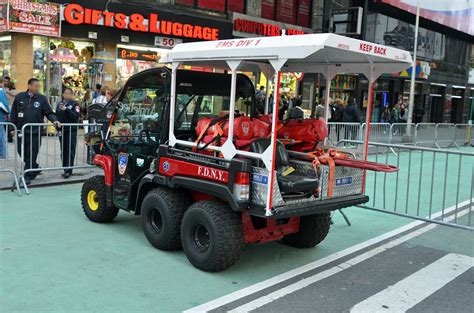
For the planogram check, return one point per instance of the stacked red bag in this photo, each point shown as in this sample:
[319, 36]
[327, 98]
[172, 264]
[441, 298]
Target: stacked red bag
[306, 133]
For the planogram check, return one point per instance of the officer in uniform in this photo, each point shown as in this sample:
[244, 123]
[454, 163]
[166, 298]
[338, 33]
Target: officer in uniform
[68, 111]
[31, 107]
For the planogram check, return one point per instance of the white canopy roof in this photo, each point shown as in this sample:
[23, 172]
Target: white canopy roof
[301, 53]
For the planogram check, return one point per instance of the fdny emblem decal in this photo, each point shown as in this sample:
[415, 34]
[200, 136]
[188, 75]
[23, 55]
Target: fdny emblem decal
[122, 163]
[166, 166]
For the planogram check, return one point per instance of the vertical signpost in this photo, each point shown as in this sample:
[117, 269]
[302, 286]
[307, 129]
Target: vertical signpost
[411, 102]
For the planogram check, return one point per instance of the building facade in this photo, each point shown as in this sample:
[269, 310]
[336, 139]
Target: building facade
[80, 43]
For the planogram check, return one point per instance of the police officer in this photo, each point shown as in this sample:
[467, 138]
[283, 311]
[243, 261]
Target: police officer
[31, 107]
[68, 111]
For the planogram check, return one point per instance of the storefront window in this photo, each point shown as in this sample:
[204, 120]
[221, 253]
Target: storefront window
[5, 55]
[134, 59]
[40, 54]
[70, 66]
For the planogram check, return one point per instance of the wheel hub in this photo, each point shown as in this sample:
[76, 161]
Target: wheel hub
[93, 200]
[156, 220]
[201, 238]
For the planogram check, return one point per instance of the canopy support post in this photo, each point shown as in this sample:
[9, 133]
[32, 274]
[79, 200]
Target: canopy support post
[174, 73]
[267, 96]
[329, 76]
[228, 148]
[268, 156]
[369, 113]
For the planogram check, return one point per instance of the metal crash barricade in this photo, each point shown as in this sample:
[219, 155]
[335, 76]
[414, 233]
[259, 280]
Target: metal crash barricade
[45, 148]
[462, 134]
[444, 135]
[8, 155]
[433, 185]
[340, 131]
[400, 134]
[379, 132]
[425, 134]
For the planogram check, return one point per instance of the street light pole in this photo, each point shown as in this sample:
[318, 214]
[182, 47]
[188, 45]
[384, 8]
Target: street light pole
[411, 100]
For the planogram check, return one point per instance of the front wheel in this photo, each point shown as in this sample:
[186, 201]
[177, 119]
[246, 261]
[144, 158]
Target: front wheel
[313, 230]
[212, 236]
[94, 201]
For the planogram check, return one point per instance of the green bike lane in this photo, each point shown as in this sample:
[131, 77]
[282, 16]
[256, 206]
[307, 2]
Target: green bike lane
[52, 259]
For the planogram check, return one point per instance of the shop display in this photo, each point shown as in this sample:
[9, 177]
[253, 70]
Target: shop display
[69, 67]
[343, 86]
[134, 59]
[5, 55]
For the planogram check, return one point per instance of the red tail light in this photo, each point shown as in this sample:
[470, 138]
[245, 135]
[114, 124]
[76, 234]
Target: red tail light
[242, 186]
[242, 178]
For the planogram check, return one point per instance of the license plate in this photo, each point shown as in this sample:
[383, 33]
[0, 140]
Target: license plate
[344, 181]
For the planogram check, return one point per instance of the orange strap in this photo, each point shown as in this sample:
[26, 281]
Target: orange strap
[326, 158]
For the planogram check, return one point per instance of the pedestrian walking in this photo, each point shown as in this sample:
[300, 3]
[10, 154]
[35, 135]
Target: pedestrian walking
[321, 109]
[337, 116]
[31, 107]
[11, 92]
[351, 115]
[419, 112]
[4, 111]
[403, 114]
[68, 111]
[386, 115]
[96, 94]
[297, 113]
[101, 99]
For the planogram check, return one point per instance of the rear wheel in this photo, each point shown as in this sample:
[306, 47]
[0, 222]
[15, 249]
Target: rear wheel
[94, 201]
[313, 230]
[161, 213]
[212, 236]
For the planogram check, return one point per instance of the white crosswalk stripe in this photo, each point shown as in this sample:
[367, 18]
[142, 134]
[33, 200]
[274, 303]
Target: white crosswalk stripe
[415, 288]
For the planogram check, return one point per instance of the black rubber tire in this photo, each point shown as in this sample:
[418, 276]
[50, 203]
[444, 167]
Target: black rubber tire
[225, 235]
[104, 213]
[313, 230]
[168, 206]
[387, 40]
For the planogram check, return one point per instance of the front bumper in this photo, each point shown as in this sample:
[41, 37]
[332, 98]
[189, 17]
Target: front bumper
[312, 207]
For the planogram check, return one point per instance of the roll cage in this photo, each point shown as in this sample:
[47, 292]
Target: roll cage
[328, 54]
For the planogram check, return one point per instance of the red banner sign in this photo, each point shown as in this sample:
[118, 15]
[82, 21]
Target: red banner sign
[35, 17]
[76, 15]
[3, 15]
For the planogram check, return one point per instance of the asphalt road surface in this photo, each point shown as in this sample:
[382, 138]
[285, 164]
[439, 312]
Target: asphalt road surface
[412, 269]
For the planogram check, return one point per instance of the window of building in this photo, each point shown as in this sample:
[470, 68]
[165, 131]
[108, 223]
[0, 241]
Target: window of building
[226, 6]
[5, 55]
[134, 59]
[40, 55]
[297, 12]
[70, 65]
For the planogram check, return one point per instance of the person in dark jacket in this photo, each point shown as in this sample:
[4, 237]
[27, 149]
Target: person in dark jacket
[68, 111]
[337, 116]
[351, 115]
[297, 113]
[31, 107]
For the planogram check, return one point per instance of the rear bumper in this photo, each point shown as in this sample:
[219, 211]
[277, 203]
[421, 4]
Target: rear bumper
[310, 208]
